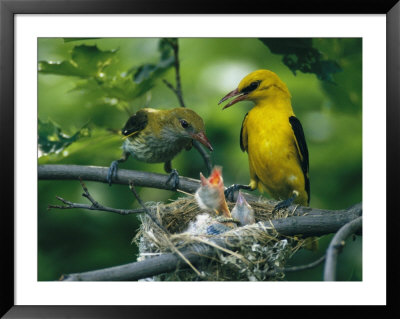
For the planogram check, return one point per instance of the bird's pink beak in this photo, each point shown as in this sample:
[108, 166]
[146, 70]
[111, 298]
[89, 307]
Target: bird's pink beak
[241, 97]
[202, 138]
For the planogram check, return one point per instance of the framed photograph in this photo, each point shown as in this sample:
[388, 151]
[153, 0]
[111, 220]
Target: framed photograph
[163, 155]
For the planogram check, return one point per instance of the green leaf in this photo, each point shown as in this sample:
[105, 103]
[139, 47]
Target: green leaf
[300, 55]
[60, 68]
[107, 85]
[52, 140]
[86, 61]
[151, 71]
[100, 141]
[144, 72]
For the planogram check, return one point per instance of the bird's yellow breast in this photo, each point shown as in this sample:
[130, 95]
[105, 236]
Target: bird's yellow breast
[273, 156]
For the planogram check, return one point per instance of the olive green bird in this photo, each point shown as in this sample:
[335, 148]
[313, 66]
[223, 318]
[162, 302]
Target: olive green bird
[157, 136]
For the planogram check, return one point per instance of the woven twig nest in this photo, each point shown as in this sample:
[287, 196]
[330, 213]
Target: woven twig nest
[252, 252]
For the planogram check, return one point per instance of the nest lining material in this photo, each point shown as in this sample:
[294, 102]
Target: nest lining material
[252, 252]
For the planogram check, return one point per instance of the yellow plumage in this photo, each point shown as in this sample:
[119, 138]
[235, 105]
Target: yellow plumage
[273, 138]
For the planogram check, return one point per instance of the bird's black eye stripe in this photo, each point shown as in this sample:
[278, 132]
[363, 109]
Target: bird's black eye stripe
[184, 123]
[253, 85]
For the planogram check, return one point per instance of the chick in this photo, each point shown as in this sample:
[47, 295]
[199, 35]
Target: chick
[211, 195]
[243, 211]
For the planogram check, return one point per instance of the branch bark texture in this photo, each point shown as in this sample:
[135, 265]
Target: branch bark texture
[337, 245]
[305, 221]
[317, 223]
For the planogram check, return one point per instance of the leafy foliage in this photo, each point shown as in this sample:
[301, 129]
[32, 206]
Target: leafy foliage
[84, 145]
[104, 85]
[150, 70]
[299, 54]
[86, 62]
[52, 140]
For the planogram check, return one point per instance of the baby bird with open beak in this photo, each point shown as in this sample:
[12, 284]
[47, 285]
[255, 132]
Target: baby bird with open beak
[243, 211]
[211, 195]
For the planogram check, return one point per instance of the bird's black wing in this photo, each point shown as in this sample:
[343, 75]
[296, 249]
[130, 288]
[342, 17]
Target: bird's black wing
[243, 135]
[135, 123]
[303, 150]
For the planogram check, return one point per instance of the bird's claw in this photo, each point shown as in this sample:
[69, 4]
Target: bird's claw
[283, 204]
[230, 191]
[112, 172]
[173, 179]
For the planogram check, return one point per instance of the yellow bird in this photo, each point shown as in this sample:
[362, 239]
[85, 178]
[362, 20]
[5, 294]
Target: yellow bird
[274, 140]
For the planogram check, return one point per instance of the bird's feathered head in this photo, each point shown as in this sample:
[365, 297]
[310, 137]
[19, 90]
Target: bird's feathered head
[189, 124]
[256, 85]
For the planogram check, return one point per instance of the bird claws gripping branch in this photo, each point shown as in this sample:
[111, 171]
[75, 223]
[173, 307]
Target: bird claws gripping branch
[230, 191]
[284, 204]
[112, 172]
[173, 179]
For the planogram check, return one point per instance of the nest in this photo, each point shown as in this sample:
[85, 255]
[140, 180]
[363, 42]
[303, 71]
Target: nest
[250, 253]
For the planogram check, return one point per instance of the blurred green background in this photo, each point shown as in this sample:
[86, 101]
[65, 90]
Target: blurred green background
[87, 88]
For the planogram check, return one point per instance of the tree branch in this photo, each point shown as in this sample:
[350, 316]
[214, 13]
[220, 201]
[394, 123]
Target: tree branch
[305, 267]
[306, 221]
[196, 253]
[336, 246]
[123, 176]
[71, 205]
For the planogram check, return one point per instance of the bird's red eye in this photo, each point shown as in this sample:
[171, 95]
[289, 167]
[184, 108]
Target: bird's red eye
[184, 123]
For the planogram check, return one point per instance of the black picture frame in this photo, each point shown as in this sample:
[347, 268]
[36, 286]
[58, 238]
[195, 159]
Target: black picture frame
[8, 10]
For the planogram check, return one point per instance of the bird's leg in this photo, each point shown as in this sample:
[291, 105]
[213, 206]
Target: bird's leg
[230, 191]
[173, 178]
[112, 171]
[286, 203]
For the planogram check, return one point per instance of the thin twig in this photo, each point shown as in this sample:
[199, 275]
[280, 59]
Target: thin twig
[166, 232]
[305, 267]
[336, 245]
[206, 157]
[146, 210]
[94, 206]
[297, 268]
[178, 92]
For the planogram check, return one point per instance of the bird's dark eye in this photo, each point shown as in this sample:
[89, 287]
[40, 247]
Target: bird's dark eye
[184, 124]
[251, 87]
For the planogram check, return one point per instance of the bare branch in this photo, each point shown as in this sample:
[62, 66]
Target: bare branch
[196, 253]
[95, 205]
[71, 205]
[178, 90]
[336, 246]
[305, 267]
[206, 157]
[132, 188]
[189, 185]
[99, 174]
